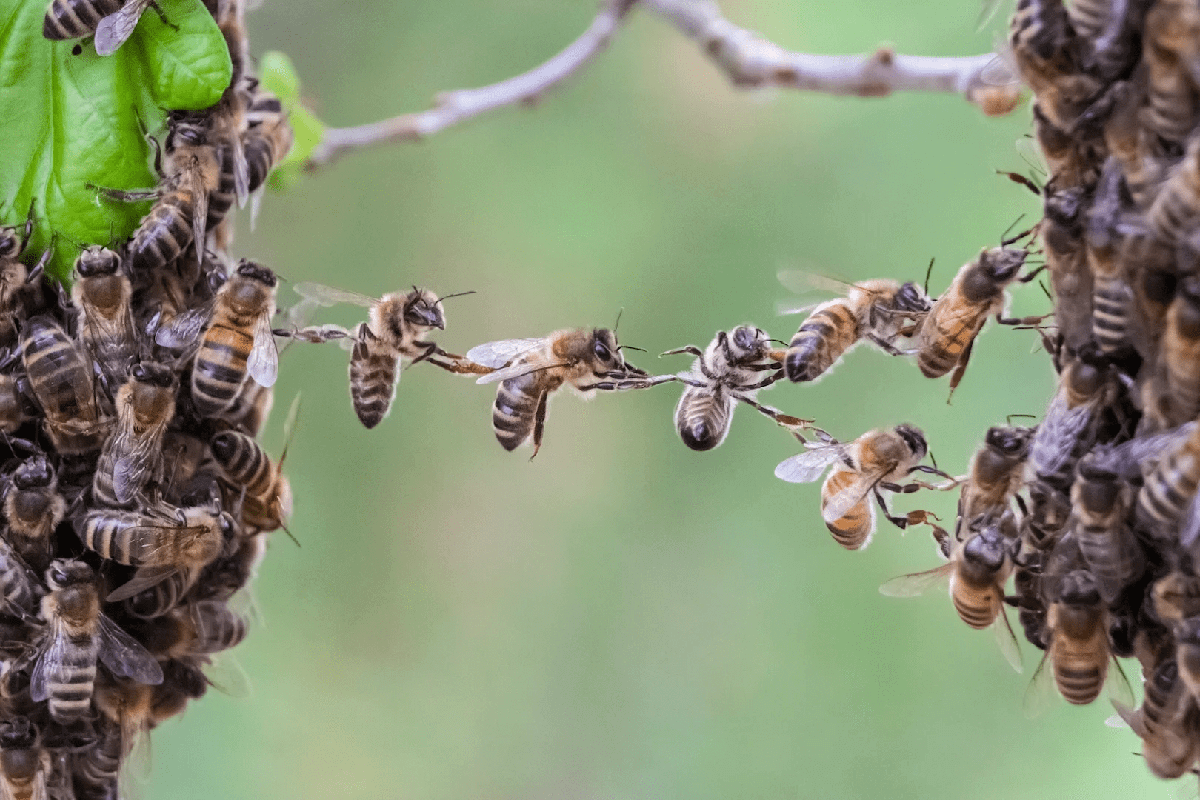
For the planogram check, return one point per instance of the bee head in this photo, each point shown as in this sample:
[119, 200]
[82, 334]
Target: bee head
[96, 261]
[153, 374]
[910, 297]
[186, 127]
[423, 308]
[1098, 489]
[34, 472]
[1009, 440]
[17, 733]
[257, 272]
[914, 439]
[10, 242]
[987, 550]
[747, 341]
[65, 572]
[1078, 588]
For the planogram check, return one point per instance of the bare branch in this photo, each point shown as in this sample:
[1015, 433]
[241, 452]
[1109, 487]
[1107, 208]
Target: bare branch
[461, 105]
[750, 61]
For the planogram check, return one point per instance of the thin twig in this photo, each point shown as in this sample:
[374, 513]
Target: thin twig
[463, 104]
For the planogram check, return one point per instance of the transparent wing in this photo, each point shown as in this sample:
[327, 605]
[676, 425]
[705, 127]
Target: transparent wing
[1128, 717]
[132, 470]
[143, 579]
[1053, 444]
[225, 674]
[124, 656]
[49, 659]
[989, 9]
[850, 496]
[323, 295]
[918, 583]
[516, 371]
[263, 363]
[1116, 683]
[241, 170]
[199, 209]
[1006, 640]
[1126, 459]
[114, 29]
[1190, 530]
[808, 466]
[497, 354]
[1040, 693]
[183, 329]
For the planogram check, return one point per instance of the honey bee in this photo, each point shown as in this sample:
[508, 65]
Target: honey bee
[393, 333]
[132, 455]
[1172, 104]
[1187, 654]
[197, 629]
[878, 460]
[1180, 350]
[729, 370]
[156, 544]
[61, 382]
[1166, 503]
[79, 634]
[1176, 208]
[97, 768]
[20, 588]
[1101, 500]
[1078, 650]
[530, 370]
[1072, 163]
[72, 19]
[996, 473]
[103, 294]
[944, 337]
[268, 136]
[1051, 59]
[1112, 297]
[15, 277]
[978, 568]
[1085, 386]
[24, 765]
[115, 28]
[1165, 722]
[34, 508]
[237, 342]
[879, 311]
[267, 502]
[190, 173]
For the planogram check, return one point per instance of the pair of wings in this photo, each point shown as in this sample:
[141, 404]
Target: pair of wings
[810, 465]
[500, 354]
[806, 284]
[184, 330]
[318, 295]
[1059, 434]
[140, 454]
[121, 653]
[1042, 687]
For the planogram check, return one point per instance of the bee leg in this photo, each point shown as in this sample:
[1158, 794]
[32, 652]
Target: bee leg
[935, 471]
[959, 369]
[765, 382]
[899, 522]
[885, 345]
[40, 267]
[158, 10]
[1022, 320]
[27, 231]
[539, 423]
[793, 424]
[691, 349]
[430, 349]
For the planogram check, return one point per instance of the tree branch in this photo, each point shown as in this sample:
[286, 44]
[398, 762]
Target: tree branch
[750, 61]
[461, 105]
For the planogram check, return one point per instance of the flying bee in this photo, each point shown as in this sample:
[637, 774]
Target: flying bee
[61, 382]
[78, 634]
[978, 568]
[24, 765]
[132, 455]
[530, 370]
[729, 370]
[1051, 59]
[996, 473]
[33, 507]
[878, 460]
[237, 342]
[1078, 650]
[266, 492]
[879, 311]
[1085, 386]
[158, 545]
[394, 332]
[1101, 500]
[944, 337]
[1172, 104]
[103, 296]
[1165, 722]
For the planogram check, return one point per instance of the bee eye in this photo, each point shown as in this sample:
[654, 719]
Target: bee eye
[58, 575]
[601, 351]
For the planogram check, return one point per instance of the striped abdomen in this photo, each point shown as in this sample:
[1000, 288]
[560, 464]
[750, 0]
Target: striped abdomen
[1174, 211]
[1181, 355]
[1089, 17]
[216, 626]
[373, 377]
[220, 367]
[978, 607]
[822, 339]
[703, 417]
[265, 147]
[71, 19]
[945, 334]
[70, 680]
[98, 767]
[515, 410]
[16, 582]
[1111, 303]
[1169, 487]
[244, 461]
[221, 198]
[1106, 559]
[164, 232]
[853, 530]
[1081, 660]
[164, 595]
[122, 536]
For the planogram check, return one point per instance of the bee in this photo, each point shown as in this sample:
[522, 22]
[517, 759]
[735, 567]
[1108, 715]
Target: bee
[61, 382]
[24, 765]
[1051, 59]
[1166, 503]
[73, 19]
[530, 370]
[189, 174]
[79, 634]
[876, 461]
[1078, 650]
[97, 768]
[198, 629]
[1172, 105]
[1101, 500]
[730, 369]
[1176, 208]
[996, 473]
[978, 568]
[20, 588]
[103, 296]
[267, 501]
[268, 136]
[1166, 722]
[879, 311]
[1085, 386]
[14, 403]
[1180, 348]
[15, 277]
[1112, 296]
[1187, 654]
[393, 333]
[1072, 163]
[33, 507]
[944, 337]
[156, 544]
[237, 342]
[132, 456]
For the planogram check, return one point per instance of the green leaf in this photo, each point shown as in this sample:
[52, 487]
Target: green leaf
[278, 76]
[68, 119]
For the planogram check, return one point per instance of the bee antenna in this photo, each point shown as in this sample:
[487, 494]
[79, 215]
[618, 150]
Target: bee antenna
[618, 323]
[933, 460]
[780, 341]
[290, 535]
[928, 272]
[1009, 229]
[630, 347]
[456, 294]
[1027, 416]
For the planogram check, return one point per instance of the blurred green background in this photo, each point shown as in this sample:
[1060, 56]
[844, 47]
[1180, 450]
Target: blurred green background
[622, 617]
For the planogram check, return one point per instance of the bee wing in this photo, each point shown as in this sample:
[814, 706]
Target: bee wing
[55, 649]
[846, 499]
[199, 212]
[132, 470]
[124, 656]
[225, 674]
[241, 170]
[1190, 529]
[1041, 690]
[918, 583]
[1062, 426]
[515, 371]
[114, 29]
[183, 329]
[497, 354]
[1116, 683]
[143, 579]
[808, 466]
[322, 295]
[263, 363]
[1006, 640]
[1127, 459]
